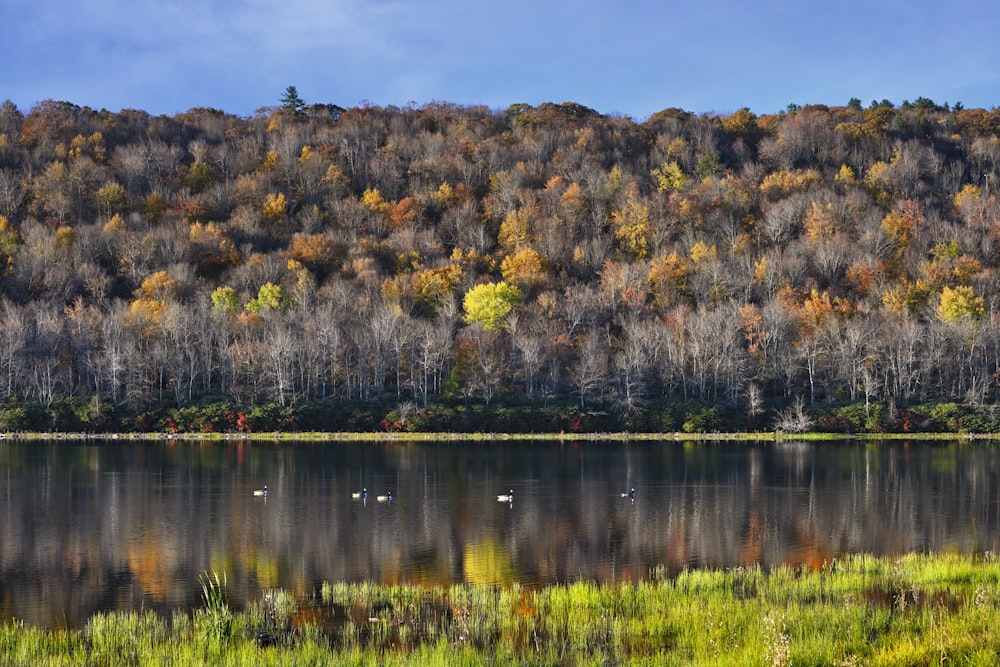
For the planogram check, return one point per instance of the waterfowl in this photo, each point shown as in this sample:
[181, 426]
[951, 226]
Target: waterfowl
[630, 494]
[506, 498]
[387, 498]
[261, 492]
[358, 495]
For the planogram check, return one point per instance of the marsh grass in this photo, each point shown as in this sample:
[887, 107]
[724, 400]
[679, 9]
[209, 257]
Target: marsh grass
[861, 610]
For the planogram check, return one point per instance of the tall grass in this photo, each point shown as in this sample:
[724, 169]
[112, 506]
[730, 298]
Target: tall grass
[862, 610]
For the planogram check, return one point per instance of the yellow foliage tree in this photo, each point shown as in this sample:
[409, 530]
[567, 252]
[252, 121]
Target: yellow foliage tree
[489, 304]
[270, 163]
[667, 279]
[702, 252]
[779, 184]
[525, 269]
[148, 308]
[111, 198]
[960, 304]
[881, 181]
[65, 237]
[968, 196]
[901, 224]
[742, 124]
[444, 197]
[631, 224]
[10, 240]
[115, 224]
[147, 314]
[161, 285]
[275, 208]
[372, 200]
[515, 230]
[573, 202]
[845, 176]
[669, 177]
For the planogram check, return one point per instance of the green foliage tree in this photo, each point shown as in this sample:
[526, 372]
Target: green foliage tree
[225, 300]
[270, 297]
[708, 164]
[291, 101]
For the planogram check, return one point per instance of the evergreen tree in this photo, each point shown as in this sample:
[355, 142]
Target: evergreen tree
[291, 100]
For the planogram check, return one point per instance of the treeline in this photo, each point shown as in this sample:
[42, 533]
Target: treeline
[526, 268]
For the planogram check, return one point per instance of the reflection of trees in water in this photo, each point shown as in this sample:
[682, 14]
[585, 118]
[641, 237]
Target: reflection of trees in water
[88, 528]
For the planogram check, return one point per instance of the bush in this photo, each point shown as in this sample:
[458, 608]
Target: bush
[850, 418]
[30, 416]
[706, 419]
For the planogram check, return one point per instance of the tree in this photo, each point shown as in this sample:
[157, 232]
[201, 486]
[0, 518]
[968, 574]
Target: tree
[291, 101]
[225, 300]
[270, 297]
[489, 304]
[669, 177]
[631, 224]
[525, 269]
[960, 304]
[795, 418]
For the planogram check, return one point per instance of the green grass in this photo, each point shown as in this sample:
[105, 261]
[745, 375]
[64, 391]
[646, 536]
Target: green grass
[862, 610]
[622, 437]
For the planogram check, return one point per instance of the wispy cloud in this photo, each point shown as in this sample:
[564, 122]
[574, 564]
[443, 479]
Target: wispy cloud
[635, 58]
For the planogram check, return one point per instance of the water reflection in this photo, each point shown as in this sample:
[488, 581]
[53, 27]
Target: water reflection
[88, 527]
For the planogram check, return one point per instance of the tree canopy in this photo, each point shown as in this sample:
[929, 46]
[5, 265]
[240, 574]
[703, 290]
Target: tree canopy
[847, 255]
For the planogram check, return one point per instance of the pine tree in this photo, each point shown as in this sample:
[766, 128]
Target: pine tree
[291, 100]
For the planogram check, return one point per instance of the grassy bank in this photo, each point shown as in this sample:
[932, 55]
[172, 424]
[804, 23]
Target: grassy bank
[858, 611]
[617, 437]
[218, 417]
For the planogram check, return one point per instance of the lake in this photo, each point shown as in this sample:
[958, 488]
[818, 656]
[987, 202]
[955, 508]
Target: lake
[92, 526]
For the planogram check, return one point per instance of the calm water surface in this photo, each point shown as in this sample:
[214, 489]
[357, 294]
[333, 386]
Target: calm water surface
[97, 526]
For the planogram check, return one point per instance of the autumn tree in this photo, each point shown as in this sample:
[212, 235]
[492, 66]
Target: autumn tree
[489, 304]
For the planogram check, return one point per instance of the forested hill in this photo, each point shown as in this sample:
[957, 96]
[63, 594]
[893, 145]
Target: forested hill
[456, 267]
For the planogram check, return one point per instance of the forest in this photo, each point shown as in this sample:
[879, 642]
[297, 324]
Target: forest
[534, 268]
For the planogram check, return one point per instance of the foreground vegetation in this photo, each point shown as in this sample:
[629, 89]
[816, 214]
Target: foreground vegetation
[862, 610]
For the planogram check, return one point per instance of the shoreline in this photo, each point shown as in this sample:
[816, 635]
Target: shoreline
[407, 437]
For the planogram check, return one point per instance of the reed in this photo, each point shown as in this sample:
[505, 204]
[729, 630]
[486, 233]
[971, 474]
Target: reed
[214, 620]
[860, 610]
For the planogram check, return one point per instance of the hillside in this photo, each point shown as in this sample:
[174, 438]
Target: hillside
[530, 268]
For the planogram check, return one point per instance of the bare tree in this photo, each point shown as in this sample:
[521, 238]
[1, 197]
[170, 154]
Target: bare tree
[795, 418]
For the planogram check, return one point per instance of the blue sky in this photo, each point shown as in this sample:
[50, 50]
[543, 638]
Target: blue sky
[633, 57]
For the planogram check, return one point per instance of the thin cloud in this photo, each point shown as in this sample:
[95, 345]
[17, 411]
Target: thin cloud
[634, 58]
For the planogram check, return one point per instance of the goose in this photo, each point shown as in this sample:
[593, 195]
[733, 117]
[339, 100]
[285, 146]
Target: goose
[630, 494]
[387, 498]
[358, 495]
[261, 492]
[506, 498]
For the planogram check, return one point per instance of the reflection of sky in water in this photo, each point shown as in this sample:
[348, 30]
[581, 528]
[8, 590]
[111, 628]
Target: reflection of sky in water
[86, 527]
